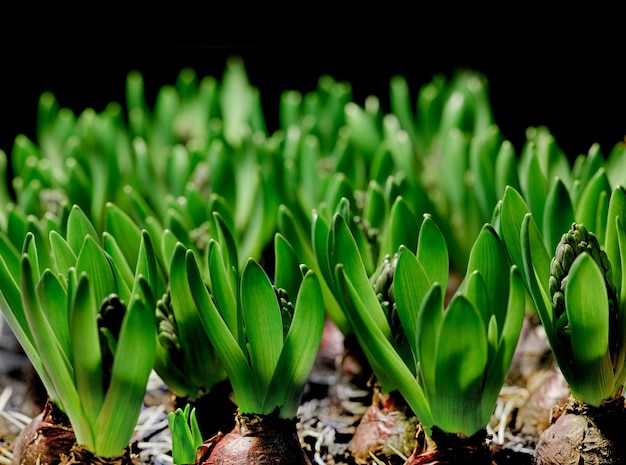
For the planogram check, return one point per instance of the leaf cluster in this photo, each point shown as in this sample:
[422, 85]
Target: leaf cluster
[81, 306]
[455, 356]
[267, 358]
[592, 364]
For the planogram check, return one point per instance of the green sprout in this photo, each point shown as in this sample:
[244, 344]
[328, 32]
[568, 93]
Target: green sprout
[457, 357]
[87, 325]
[186, 436]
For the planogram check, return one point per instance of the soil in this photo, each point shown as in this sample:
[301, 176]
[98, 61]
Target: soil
[336, 398]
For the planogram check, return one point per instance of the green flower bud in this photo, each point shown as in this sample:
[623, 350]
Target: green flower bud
[167, 330]
[382, 282]
[286, 309]
[576, 241]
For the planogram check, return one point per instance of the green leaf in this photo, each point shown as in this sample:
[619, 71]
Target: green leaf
[57, 367]
[514, 209]
[125, 231]
[41, 245]
[122, 272]
[169, 242]
[312, 251]
[263, 323]
[132, 365]
[157, 233]
[620, 366]
[196, 349]
[399, 229]
[364, 131]
[186, 273]
[252, 240]
[176, 220]
[224, 235]
[10, 255]
[338, 192]
[489, 257]
[430, 315]
[344, 251]
[616, 214]
[590, 202]
[587, 307]
[375, 206]
[558, 214]
[454, 163]
[286, 266]
[224, 288]
[475, 291]
[62, 254]
[506, 169]
[299, 352]
[321, 243]
[29, 249]
[482, 160]
[390, 369]
[535, 187]
[400, 102]
[235, 101]
[536, 272]
[460, 364]
[13, 311]
[147, 270]
[410, 284]
[432, 252]
[93, 262]
[85, 343]
[507, 342]
[16, 228]
[55, 295]
[79, 227]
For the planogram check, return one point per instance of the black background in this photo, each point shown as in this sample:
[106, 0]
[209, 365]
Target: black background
[575, 87]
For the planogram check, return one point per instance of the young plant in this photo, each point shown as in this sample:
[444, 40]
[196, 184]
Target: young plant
[186, 435]
[580, 297]
[266, 335]
[383, 223]
[87, 325]
[449, 363]
[186, 359]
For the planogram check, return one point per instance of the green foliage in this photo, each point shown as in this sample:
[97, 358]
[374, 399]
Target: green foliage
[450, 362]
[186, 435]
[267, 369]
[87, 328]
[161, 218]
[588, 338]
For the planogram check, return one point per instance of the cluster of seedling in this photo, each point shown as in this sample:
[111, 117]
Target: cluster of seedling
[189, 240]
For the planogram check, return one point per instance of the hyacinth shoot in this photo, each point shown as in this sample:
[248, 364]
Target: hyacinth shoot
[575, 242]
[578, 293]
